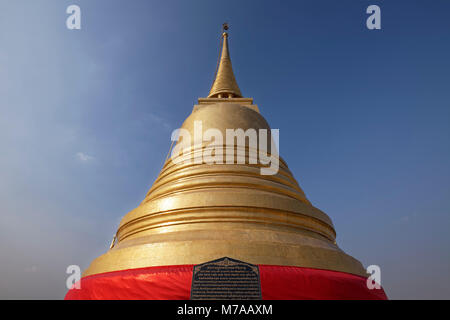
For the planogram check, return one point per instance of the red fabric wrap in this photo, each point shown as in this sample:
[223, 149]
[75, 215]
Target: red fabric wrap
[174, 283]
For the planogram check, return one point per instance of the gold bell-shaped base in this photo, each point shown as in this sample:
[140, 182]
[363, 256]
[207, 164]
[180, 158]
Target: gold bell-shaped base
[198, 212]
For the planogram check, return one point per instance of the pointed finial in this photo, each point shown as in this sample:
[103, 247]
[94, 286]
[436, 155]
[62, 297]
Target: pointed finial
[225, 85]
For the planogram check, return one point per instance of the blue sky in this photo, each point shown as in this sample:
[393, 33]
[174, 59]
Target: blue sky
[86, 117]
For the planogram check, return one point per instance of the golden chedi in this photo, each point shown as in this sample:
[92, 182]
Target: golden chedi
[197, 212]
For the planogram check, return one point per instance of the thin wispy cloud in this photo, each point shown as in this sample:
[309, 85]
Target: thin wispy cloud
[31, 269]
[164, 123]
[152, 118]
[83, 157]
[405, 219]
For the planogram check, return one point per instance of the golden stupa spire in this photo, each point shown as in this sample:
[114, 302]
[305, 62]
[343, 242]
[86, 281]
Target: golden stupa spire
[225, 85]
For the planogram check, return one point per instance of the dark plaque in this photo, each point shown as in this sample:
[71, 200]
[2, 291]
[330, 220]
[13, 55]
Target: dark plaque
[225, 278]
